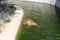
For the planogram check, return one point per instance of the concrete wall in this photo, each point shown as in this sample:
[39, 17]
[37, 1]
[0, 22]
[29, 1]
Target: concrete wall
[44, 1]
[53, 2]
[57, 3]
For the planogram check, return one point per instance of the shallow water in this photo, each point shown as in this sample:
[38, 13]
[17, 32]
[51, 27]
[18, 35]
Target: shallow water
[46, 16]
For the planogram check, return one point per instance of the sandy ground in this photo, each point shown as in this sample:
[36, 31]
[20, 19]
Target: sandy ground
[11, 28]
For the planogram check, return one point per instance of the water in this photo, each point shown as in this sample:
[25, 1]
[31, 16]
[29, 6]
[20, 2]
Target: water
[46, 16]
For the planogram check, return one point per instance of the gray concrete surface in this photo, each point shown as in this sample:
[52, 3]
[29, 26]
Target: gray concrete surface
[53, 2]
